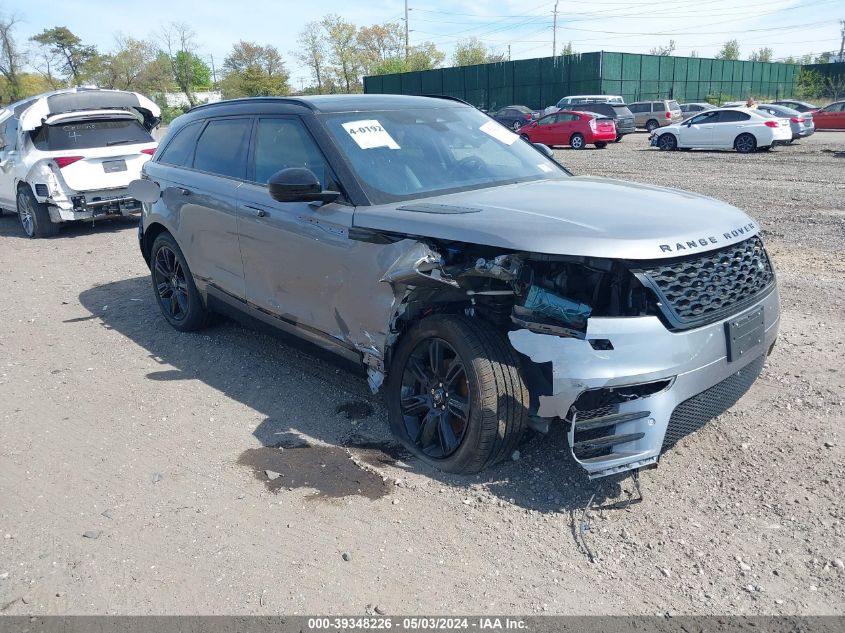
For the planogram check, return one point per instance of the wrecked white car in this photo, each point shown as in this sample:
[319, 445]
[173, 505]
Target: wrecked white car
[483, 287]
[70, 154]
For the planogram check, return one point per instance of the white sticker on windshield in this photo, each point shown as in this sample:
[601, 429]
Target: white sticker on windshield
[369, 134]
[544, 167]
[498, 132]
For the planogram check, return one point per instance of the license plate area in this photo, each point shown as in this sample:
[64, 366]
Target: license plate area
[744, 333]
[113, 166]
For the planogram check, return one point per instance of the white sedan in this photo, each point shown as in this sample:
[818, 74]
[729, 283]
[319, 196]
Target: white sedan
[743, 129]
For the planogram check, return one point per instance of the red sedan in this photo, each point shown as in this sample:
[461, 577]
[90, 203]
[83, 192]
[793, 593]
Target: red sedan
[830, 117]
[575, 129]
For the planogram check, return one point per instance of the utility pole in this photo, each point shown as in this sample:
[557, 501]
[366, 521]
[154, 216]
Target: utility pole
[554, 32]
[213, 72]
[406, 30]
[842, 45]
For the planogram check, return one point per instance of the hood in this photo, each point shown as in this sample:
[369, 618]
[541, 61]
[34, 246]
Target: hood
[78, 99]
[584, 216]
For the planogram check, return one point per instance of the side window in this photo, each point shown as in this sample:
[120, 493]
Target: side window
[732, 116]
[10, 135]
[548, 120]
[707, 117]
[180, 149]
[283, 143]
[222, 148]
[636, 108]
[659, 106]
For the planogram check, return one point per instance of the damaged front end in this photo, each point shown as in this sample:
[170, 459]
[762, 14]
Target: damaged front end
[598, 349]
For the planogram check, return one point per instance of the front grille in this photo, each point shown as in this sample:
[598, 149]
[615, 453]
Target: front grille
[692, 414]
[703, 288]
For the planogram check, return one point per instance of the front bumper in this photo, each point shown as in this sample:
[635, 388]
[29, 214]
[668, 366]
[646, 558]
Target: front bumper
[685, 368]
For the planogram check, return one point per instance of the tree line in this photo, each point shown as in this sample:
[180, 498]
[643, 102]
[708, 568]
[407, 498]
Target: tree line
[336, 53]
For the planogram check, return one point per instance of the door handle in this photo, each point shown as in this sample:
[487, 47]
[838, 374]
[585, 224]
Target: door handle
[258, 211]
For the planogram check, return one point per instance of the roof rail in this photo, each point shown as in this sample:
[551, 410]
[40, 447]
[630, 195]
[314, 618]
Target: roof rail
[449, 98]
[224, 102]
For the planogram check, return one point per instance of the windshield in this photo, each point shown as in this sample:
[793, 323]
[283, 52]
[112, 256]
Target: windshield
[72, 135]
[404, 154]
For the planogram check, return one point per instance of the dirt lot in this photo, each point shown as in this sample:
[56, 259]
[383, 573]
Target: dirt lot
[132, 469]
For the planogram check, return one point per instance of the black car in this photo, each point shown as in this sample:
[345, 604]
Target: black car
[801, 106]
[619, 112]
[514, 116]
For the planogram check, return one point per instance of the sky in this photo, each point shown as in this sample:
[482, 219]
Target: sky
[789, 27]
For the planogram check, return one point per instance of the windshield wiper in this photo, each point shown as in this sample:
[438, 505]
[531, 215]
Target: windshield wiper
[120, 142]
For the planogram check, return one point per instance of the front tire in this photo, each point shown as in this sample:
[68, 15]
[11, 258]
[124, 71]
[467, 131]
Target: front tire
[577, 141]
[174, 288]
[618, 138]
[34, 216]
[667, 142]
[745, 144]
[455, 395]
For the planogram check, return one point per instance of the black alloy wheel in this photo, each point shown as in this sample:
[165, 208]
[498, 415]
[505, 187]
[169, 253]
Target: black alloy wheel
[667, 142]
[174, 287]
[455, 393]
[435, 400]
[171, 284]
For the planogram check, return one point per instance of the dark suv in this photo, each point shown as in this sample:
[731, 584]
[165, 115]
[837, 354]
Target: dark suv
[477, 282]
[619, 112]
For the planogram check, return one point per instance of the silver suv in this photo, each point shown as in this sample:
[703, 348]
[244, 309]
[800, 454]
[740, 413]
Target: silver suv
[654, 114]
[479, 284]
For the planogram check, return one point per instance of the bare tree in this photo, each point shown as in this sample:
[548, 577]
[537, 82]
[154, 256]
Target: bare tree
[664, 51]
[312, 52]
[12, 58]
[179, 41]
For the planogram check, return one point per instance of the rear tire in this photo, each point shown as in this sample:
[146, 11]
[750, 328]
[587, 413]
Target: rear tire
[576, 141]
[651, 125]
[173, 284]
[487, 410]
[601, 144]
[745, 143]
[618, 138]
[34, 216]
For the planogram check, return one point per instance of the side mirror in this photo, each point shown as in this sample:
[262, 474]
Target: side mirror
[144, 190]
[545, 149]
[298, 184]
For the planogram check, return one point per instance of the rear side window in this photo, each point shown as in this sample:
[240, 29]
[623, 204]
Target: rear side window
[10, 135]
[73, 135]
[180, 149]
[222, 147]
[659, 106]
[674, 105]
[732, 116]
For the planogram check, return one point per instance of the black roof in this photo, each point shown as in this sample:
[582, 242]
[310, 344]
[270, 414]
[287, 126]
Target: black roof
[338, 103]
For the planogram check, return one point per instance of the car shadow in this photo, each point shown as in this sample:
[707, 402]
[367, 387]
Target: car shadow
[10, 226]
[304, 392]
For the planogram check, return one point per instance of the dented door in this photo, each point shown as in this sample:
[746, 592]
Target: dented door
[299, 263]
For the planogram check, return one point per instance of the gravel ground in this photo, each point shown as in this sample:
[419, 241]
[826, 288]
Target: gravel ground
[133, 477]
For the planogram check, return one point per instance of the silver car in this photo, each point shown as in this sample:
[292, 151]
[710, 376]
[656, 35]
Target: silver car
[478, 283]
[801, 123]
